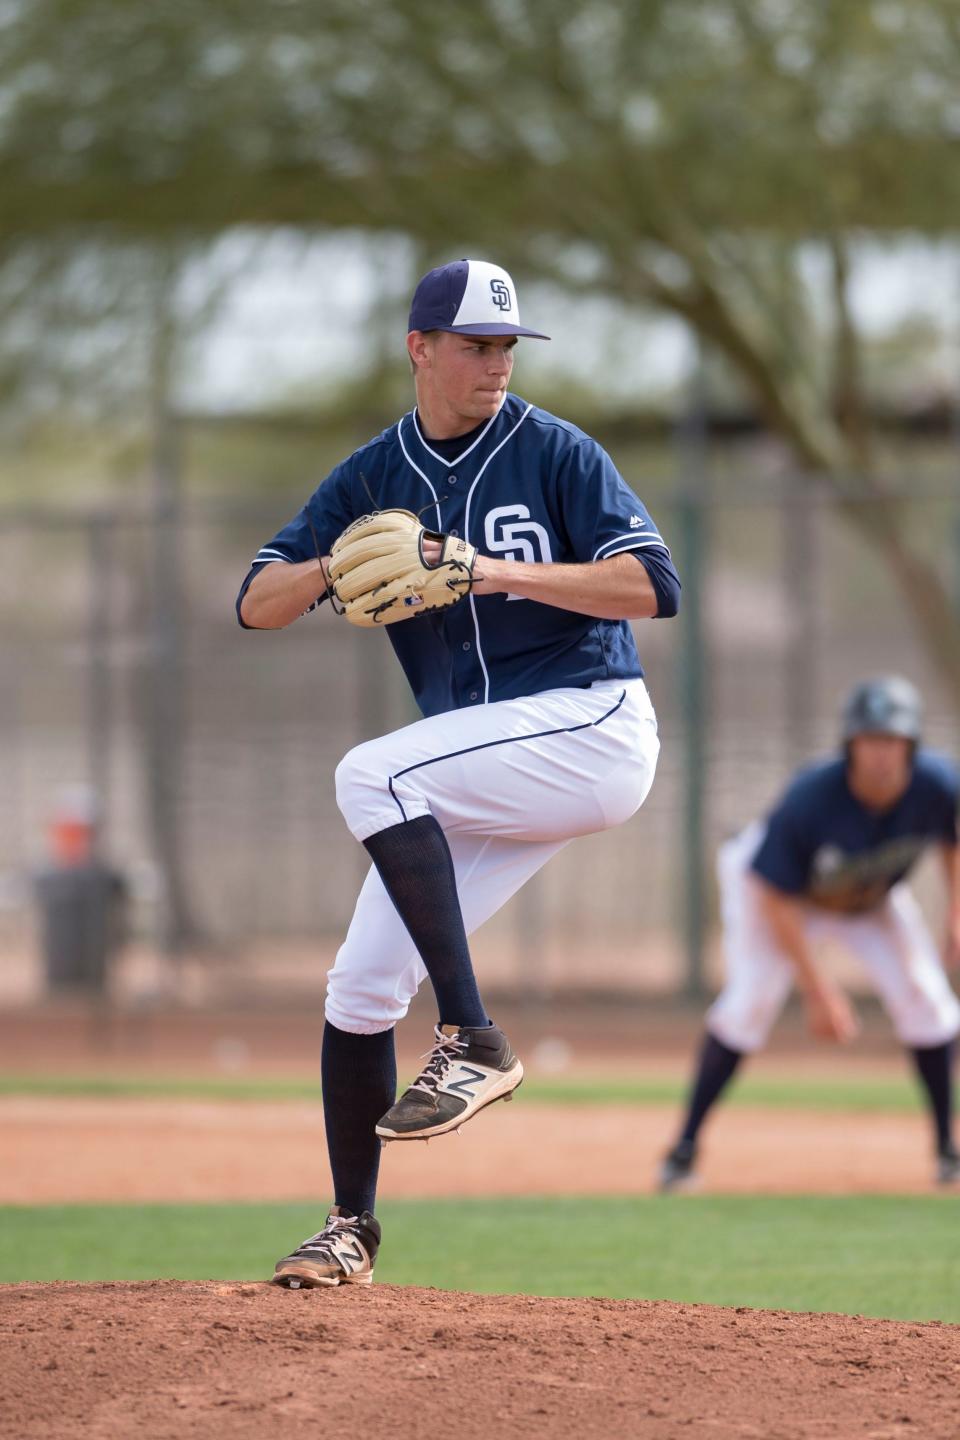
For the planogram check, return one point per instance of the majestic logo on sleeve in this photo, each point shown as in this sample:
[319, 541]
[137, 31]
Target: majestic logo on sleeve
[500, 294]
[509, 531]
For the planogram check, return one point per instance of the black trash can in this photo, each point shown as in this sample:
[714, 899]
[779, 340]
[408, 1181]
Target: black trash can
[83, 923]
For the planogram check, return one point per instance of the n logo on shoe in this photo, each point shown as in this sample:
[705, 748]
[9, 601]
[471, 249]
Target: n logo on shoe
[468, 1077]
[346, 1253]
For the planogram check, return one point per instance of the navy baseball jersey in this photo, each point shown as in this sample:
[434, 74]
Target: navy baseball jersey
[822, 844]
[524, 486]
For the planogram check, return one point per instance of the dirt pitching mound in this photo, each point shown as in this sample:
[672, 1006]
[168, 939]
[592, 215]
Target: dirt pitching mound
[171, 1359]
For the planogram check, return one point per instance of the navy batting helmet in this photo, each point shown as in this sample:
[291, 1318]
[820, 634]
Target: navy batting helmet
[886, 705]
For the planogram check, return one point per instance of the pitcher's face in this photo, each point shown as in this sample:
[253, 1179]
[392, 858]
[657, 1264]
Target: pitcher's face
[461, 378]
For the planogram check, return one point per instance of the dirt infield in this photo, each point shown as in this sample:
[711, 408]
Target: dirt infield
[167, 1360]
[75, 1150]
[68, 1151]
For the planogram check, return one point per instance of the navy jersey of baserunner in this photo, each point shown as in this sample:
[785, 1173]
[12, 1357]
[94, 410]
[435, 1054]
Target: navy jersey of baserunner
[823, 844]
[527, 487]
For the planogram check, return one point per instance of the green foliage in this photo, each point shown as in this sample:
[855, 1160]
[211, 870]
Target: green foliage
[713, 112]
[693, 158]
[701, 159]
[885, 1256]
[689, 157]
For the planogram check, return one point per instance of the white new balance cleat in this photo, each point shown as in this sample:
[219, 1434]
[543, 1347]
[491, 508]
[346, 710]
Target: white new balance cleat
[342, 1253]
[467, 1069]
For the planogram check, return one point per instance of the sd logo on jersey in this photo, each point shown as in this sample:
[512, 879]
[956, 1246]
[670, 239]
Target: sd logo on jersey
[524, 540]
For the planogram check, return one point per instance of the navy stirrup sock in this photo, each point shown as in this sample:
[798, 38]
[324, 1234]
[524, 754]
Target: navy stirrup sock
[414, 862]
[715, 1071]
[934, 1066]
[359, 1074]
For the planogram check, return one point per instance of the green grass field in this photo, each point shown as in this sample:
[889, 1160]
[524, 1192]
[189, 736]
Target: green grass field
[889, 1256]
[876, 1095]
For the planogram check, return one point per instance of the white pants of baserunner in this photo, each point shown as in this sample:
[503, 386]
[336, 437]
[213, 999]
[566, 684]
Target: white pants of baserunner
[510, 784]
[892, 943]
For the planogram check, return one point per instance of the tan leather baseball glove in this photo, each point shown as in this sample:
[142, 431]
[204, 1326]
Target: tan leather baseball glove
[379, 574]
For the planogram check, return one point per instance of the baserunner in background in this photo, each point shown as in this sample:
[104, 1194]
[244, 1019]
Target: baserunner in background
[829, 864]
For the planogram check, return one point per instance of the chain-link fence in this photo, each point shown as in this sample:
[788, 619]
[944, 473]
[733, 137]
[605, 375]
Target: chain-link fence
[213, 749]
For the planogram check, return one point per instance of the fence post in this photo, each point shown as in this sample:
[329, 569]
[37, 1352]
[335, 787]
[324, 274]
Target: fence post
[164, 687]
[800, 512]
[99, 708]
[692, 450]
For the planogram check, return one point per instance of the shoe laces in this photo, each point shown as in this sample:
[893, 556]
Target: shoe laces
[446, 1050]
[325, 1242]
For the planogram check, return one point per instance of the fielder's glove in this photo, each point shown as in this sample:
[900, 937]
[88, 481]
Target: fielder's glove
[379, 575]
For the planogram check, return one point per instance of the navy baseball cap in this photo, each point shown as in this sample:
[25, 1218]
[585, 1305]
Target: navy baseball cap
[468, 297]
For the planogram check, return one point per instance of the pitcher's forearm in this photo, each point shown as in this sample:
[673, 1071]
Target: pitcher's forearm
[280, 593]
[614, 589]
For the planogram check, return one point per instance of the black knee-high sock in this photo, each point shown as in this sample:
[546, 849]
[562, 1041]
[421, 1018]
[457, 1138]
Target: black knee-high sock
[935, 1066]
[416, 867]
[714, 1072]
[359, 1075]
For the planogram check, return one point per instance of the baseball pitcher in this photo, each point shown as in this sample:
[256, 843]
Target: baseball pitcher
[503, 555]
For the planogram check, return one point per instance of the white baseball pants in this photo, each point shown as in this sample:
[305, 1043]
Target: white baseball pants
[510, 784]
[893, 943]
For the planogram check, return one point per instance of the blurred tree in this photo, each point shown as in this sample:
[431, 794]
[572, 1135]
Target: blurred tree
[700, 158]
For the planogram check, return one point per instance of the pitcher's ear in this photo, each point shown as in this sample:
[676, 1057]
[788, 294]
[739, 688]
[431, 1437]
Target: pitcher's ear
[420, 349]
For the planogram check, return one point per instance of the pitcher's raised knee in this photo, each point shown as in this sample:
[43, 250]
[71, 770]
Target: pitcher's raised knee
[365, 793]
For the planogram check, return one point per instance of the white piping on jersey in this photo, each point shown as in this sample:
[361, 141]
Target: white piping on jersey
[629, 542]
[413, 466]
[466, 536]
[267, 552]
[483, 663]
[450, 463]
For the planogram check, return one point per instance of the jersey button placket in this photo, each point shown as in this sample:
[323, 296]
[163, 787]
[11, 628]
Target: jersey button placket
[460, 620]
